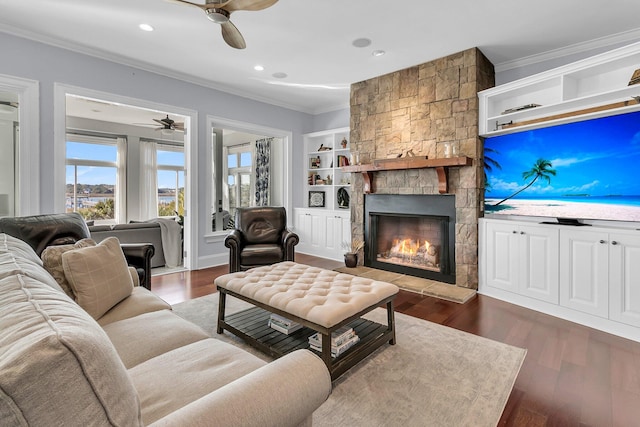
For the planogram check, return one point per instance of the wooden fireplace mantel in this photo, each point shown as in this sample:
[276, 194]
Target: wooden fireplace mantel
[440, 165]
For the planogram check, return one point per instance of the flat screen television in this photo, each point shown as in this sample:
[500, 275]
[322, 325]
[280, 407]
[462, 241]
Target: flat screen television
[585, 170]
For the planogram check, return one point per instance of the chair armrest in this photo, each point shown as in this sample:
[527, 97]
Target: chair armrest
[234, 242]
[289, 241]
[283, 393]
[139, 255]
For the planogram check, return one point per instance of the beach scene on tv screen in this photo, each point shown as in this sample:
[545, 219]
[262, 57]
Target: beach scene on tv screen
[582, 170]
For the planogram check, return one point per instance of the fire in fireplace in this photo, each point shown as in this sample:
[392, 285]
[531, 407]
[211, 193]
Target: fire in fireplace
[414, 241]
[411, 234]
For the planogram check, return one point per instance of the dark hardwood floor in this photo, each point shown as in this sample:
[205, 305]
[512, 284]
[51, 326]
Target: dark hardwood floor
[572, 375]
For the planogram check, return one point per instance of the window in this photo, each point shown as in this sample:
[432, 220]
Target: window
[238, 172]
[94, 167]
[170, 159]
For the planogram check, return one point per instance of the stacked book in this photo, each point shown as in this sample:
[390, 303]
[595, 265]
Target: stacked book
[282, 324]
[343, 160]
[341, 340]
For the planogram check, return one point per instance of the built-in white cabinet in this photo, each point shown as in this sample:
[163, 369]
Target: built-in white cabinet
[322, 232]
[589, 275]
[601, 270]
[523, 258]
[588, 88]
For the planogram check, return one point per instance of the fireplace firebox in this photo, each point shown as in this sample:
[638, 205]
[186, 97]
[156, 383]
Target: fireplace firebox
[411, 234]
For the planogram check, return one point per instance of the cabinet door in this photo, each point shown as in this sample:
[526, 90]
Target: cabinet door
[538, 266]
[303, 226]
[338, 229]
[584, 266]
[502, 255]
[318, 230]
[309, 227]
[624, 278]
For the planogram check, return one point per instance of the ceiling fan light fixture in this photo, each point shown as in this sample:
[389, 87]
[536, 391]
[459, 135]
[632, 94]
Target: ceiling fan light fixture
[166, 131]
[219, 16]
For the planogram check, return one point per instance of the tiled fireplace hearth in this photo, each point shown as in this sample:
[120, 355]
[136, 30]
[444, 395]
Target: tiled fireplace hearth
[411, 234]
[424, 110]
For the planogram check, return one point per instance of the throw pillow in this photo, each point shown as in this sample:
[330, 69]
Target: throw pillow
[98, 275]
[52, 262]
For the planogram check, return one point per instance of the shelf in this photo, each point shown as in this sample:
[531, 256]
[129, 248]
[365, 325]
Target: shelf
[328, 160]
[593, 87]
[440, 165]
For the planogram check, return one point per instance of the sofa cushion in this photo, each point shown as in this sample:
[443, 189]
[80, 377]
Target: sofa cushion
[16, 257]
[98, 275]
[139, 302]
[139, 339]
[54, 358]
[19, 248]
[176, 378]
[52, 262]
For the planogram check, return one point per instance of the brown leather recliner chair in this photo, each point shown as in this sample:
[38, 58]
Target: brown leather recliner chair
[260, 238]
[40, 231]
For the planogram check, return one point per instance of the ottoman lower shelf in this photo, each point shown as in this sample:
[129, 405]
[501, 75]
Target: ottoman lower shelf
[252, 326]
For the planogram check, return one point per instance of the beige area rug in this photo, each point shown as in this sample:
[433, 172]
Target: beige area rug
[414, 284]
[434, 376]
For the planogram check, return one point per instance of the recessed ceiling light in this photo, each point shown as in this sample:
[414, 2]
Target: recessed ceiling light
[361, 42]
[258, 68]
[279, 75]
[145, 27]
[378, 52]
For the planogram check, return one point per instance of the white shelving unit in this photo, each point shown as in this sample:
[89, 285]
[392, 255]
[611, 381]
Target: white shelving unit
[323, 177]
[322, 224]
[576, 91]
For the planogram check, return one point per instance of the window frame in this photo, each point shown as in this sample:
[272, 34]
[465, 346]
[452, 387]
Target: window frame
[120, 166]
[163, 146]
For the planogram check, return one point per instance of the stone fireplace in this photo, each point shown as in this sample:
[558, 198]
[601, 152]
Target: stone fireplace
[411, 234]
[426, 110]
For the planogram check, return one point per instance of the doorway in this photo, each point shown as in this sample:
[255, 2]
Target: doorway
[132, 132]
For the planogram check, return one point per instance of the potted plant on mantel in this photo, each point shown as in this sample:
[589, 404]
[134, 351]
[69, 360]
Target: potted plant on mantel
[352, 248]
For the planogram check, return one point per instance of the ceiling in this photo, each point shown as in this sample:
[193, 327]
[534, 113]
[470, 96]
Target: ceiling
[311, 41]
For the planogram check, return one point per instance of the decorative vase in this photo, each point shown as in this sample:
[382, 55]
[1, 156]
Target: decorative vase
[350, 260]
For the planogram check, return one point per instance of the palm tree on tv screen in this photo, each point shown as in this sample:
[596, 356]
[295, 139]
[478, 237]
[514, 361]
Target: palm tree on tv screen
[541, 169]
[489, 164]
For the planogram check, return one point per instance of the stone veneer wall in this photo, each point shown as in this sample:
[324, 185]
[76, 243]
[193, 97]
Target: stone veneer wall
[420, 108]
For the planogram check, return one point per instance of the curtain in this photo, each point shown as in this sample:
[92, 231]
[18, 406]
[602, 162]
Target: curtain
[263, 153]
[121, 182]
[148, 180]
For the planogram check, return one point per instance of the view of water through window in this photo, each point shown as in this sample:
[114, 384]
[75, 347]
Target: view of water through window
[92, 179]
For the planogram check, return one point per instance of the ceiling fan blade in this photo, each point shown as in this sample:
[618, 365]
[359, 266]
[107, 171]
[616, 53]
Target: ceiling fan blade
[186, 2]
[232, 36]
[234, 5]
[158, 121]
[214, 4]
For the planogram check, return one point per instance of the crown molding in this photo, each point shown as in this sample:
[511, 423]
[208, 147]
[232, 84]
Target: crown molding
[624, 37]
[122, 60]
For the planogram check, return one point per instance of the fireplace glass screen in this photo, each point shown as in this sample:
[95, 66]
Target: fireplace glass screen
[410, 241]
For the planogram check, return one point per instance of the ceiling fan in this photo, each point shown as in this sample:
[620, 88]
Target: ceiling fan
[219, 11]
[167, 125]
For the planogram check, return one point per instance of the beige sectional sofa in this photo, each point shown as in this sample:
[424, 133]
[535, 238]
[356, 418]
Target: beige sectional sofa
[132, 362]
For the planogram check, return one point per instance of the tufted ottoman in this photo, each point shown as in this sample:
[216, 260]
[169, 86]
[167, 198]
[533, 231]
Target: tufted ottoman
[321, 300]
